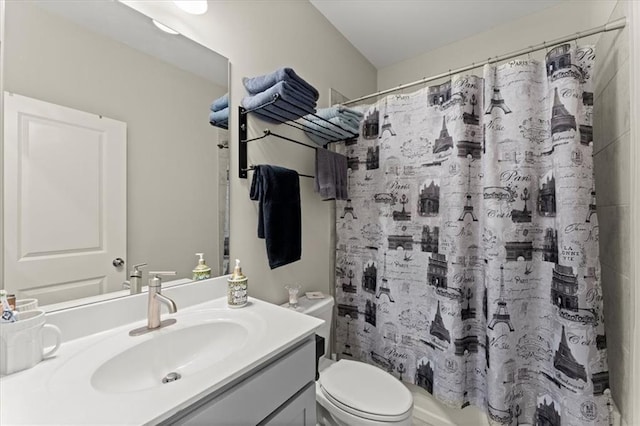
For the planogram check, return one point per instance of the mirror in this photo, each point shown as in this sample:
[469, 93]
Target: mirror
[110, 63]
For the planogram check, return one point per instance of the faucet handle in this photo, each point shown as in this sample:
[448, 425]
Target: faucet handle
[156, 280]
[136, 272]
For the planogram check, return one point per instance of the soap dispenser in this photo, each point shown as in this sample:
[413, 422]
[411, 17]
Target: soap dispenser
[201, 271]
[237, 288]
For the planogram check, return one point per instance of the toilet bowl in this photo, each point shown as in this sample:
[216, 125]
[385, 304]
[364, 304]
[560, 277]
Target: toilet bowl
[357, 394]
[353, 393]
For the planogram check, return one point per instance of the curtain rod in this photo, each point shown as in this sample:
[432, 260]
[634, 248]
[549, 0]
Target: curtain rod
[611, 26]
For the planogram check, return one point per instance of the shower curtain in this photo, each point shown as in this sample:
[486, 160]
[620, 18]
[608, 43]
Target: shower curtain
[467, 252]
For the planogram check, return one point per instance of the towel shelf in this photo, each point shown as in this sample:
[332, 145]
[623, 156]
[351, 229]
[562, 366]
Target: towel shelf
[242, 151]
[221, 125]
[323, 128]
[251, 168]
[267, 132]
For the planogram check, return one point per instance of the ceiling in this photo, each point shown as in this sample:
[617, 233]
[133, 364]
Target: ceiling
[389, 31]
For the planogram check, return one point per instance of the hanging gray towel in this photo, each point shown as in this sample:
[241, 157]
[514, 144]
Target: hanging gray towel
[277, 191]
[331, 175]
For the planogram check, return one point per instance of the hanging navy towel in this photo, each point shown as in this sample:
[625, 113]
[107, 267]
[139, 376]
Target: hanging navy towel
[277, 191]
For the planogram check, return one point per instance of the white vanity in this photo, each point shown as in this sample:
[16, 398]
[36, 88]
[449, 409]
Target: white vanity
[254, 365]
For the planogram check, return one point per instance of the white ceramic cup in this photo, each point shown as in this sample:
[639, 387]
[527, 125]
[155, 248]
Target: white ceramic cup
[21, 342]
[26, 305]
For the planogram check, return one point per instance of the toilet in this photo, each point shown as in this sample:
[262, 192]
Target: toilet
[352, 393]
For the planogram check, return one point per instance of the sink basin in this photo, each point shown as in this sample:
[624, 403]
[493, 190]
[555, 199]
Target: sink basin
[201, 346]
[184, 351]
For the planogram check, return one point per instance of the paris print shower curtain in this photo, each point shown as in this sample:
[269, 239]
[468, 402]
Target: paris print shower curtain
[467, 253]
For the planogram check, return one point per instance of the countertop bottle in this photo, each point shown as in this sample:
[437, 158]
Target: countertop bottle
[201, 271]
[237, 288]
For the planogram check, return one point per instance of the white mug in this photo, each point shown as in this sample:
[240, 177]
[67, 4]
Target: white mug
[26, 305]
[21, 342]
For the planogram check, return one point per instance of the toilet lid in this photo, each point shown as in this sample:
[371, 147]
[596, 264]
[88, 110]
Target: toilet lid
[365, 390]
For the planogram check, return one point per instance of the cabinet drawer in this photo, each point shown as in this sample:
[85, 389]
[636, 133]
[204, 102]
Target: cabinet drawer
[300, 410]
[258, 395]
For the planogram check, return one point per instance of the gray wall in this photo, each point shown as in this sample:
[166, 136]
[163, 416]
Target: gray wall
[259, 37]
[612, 136]
[172, 200]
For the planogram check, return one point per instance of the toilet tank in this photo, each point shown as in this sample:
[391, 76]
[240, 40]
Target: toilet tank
[318, 308]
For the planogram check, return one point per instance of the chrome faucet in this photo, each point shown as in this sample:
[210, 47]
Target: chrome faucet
[134, 283]
[156, 298]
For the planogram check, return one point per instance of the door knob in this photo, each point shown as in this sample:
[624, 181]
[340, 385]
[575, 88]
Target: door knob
[118, 262]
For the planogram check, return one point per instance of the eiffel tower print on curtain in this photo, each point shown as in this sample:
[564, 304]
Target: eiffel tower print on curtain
[384, 285]
[386, 124]
[496, 99]
[564, 360]
[468, 207]
[444, 141]
[438, 328]
[561, 118]
[501, 314]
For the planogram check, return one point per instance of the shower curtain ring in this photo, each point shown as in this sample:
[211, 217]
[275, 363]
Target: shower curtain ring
[546, 51]
[576, 39]
[529, 52]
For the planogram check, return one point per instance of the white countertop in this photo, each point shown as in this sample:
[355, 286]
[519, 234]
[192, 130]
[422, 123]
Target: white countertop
[54, 393]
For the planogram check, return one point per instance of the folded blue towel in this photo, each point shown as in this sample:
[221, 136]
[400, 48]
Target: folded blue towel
[261, 83]
[280, 111]
[303, 92]
[287, 106]
[218, 118]
[320, 130]
[339, 110]
[221, 103]
[277, 191]
[283, 89]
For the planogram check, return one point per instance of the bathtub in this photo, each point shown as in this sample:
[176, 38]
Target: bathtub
[429, 411]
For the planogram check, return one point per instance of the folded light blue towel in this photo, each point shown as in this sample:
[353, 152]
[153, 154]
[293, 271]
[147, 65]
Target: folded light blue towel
[280, 111]
[261, 83]
[303, 92]
[323, 130]
[339, 110]
[221, 103]
[288, 104]
[217, 118]
[345, 117]
[285, 90]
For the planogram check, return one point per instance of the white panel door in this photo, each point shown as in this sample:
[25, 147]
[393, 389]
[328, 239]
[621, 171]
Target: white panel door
[65, 201]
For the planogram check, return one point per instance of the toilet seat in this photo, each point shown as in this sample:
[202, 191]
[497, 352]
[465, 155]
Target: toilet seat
[366, 391]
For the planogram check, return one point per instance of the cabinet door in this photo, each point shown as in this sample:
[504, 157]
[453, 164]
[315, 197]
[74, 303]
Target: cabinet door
[259, 395]
[299, 410]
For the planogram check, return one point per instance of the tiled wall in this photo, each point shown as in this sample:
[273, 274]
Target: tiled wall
[611, 126]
